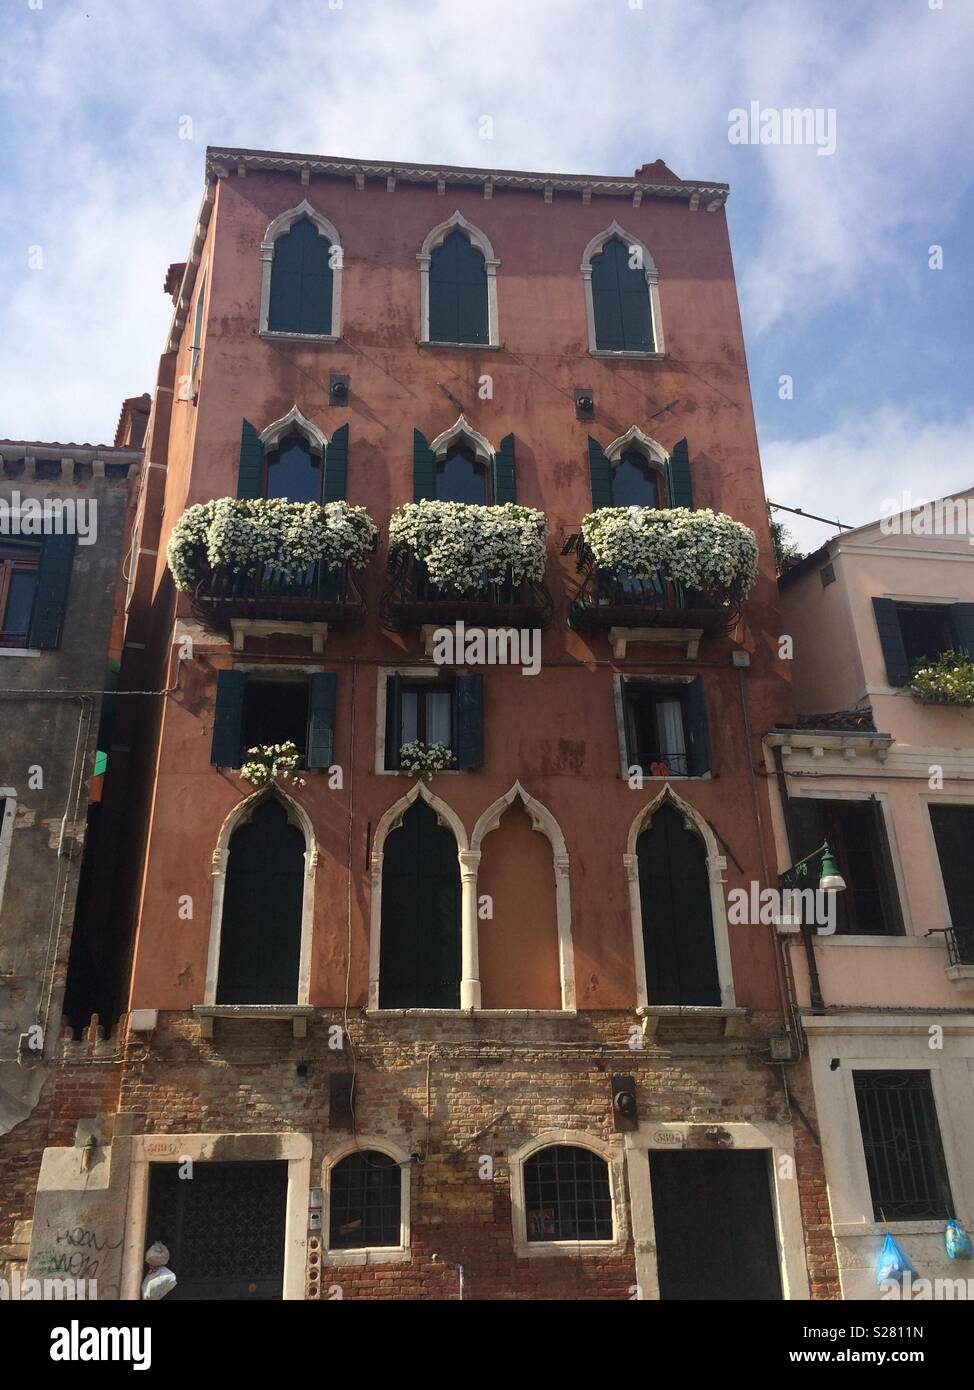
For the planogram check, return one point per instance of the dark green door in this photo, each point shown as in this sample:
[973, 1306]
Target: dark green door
[260, 936]
[223, 1226]
[419, 951]
[678, 929]
[715, 1228]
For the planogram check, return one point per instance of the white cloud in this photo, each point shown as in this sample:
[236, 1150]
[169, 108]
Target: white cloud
[93, 95]
[849, 471]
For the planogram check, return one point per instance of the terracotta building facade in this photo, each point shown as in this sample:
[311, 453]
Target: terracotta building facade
[486, 1032]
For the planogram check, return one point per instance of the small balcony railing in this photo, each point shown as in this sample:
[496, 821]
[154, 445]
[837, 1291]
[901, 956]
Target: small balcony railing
[412, 600]
[959, 941]
[314, 595]
[606, 599]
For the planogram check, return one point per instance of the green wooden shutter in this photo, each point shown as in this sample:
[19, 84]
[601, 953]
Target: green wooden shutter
[600, 472]
[504, 483]
[457, 292]
[424, 468]
[962, 621]
[301, 282]
[470, 721]
[888, 891]
[393, 721]
[250, 477]
[891, 638]
[336, 466]
[322, 693]
[51, 592]
[699, 728]
[679, 492]
[225, 749]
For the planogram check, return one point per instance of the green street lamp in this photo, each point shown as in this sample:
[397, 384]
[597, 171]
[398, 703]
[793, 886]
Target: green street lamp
[831, 881]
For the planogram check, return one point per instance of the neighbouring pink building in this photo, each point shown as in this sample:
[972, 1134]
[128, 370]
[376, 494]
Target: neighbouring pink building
[887, 779]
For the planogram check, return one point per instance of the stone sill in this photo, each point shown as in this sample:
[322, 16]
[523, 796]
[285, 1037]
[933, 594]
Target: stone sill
[620, 638]
[471, 1013]
[273, 334]
[373, 1255]
[653, 1015]
[297, 1013]
[20, 651]
[962, 977]
[467, 347]
[627, 356]
[844, 1229]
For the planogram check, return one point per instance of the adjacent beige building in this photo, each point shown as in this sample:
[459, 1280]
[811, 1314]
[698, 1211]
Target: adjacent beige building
[887, 779]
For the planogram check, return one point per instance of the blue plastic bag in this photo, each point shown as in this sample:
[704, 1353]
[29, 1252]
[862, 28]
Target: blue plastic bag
[892, 1262]
[958, 1242]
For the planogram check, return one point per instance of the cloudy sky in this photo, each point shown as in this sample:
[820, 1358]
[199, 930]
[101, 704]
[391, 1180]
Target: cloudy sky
[832, 251]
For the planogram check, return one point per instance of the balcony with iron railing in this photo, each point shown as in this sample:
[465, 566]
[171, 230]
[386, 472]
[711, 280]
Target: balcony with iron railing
[272, 560]
[606, 599]
[412, 601]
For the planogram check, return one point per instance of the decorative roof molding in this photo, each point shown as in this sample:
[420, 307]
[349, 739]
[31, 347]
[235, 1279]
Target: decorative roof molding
[220, 161]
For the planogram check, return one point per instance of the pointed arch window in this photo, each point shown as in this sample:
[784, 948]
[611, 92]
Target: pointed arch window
[636, 483]
[261, 926]
[462, 477]
[293, 470]
[458, 286]
[419, 960]
[301, 259]
[677, 920]
[622, 295]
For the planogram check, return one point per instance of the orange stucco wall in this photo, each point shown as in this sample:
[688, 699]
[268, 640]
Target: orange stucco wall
[556, 732]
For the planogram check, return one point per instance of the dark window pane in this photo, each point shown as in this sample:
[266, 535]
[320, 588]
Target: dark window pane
[275, 712]
[20, 600]
[457, 292]
[460, 478]
[656, 721]
[301, 281]
[293, 471]
[926, 630]
[635, 483]
[953, 829]
[566, 1195]
[851, 829]
[366, 1202]
[620, 300]
[677, 917]
[901, 1139]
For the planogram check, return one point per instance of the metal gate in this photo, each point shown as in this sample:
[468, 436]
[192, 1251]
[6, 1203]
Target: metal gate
[224, 1227]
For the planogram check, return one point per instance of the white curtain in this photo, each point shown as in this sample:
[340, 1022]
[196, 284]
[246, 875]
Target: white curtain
[672, 742]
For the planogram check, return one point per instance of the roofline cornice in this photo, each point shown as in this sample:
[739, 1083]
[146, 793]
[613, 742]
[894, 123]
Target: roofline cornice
[222, 161]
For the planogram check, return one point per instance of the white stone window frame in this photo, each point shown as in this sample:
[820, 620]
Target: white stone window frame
[612, 1152]
[371, 1254]
[280, 226]
[408, 673]
[197, 324]
[634, 441]
[716, 873]
[294, 1149]
[241, 814]
[8, 797]
[619, 682]
[777, 1139]
[16, 512]
[614, 232]
[469, 855]
[887, 938]
[482, 242]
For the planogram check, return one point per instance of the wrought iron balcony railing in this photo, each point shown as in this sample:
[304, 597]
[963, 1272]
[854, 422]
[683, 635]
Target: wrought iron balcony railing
[959, 941]
[412, 600]
[315, 594]
[606, 599]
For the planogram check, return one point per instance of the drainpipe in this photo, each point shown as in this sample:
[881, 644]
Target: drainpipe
[814, 983]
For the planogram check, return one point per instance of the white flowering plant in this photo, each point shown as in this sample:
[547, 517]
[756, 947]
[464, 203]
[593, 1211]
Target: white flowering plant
[947, 681]
[241, 534]
[267, 762]
[425, 758]
[704, 550]
[465, 547]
